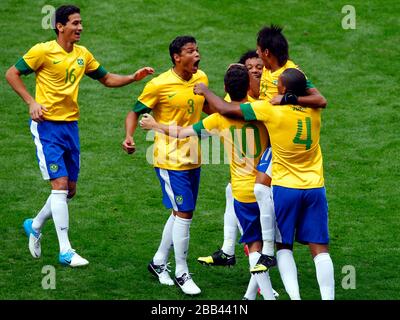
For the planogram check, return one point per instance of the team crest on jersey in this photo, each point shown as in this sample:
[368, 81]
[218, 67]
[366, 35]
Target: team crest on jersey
[53, 167]
[179, 200]
[275, 82]
[80, 62]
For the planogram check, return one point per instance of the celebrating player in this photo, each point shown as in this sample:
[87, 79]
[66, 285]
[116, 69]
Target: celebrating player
[59, 66]
[177, 162]
[273, 49]
[298, 185]
[226, 255]
[244, 142]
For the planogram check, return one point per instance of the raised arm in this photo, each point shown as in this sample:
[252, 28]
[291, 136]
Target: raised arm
[149, 123]
[228, 109]
[13, 77]
[313, 99]
[116, 80]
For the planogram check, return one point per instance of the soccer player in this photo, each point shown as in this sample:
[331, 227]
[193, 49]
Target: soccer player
[273, 49]
[298, 184]
[244, 143]
[59, 66]
[177, 163]
[226, 255]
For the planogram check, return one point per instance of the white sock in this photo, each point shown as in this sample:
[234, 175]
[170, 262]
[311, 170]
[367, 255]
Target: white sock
[43, 215]
[263, 280]
[230, 223]
[252, 289]
[59, 209]
[161, 256]
[267, 217]
[288, 271]
[180, 238]
[326, 280]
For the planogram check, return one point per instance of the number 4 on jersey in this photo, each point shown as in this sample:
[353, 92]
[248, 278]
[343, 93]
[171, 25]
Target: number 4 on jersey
[297, 139]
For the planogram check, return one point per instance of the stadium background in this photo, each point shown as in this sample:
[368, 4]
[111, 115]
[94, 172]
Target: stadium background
[117, 217]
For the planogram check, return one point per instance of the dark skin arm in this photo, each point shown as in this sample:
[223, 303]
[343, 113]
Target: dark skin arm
[228, 109]
[208, 109]
[313, 99]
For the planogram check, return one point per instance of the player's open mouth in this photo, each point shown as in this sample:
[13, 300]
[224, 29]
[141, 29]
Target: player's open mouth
[196, 64]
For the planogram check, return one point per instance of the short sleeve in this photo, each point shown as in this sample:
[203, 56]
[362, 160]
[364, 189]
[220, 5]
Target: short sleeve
[32, 60]
[258, 110]
[206, 126]
[150, 95]
[93, 68]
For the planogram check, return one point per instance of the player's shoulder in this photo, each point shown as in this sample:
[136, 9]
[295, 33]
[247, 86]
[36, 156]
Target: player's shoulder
[43, 47]
[81, 49]
[291, 64]
[200, 76]
[162, 79]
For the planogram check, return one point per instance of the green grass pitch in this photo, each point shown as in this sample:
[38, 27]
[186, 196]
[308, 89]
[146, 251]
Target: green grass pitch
[117, 217]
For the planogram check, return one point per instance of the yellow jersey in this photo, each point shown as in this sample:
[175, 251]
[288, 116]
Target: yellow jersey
[269, 81]
[172, 101]
[244, 143]
[249, 98]
[294, 132]
[58, 74]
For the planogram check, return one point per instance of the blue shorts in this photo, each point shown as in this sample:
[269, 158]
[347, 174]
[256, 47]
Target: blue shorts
[265, 164]
[179, 188]
[248, 215]
[57, 148]
[301, 214]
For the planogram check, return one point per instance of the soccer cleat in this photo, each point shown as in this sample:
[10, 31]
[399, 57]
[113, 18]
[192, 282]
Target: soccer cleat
[34, 239]
[161, 272]
[263, 264]
[186, 283]
[72, 259]
[218, 258]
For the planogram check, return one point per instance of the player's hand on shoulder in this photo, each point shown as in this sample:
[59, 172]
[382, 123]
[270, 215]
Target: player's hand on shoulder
[35, 111]
[276, 100]
[129, 145]
[147, 122]
[142, 73]
[199, 88]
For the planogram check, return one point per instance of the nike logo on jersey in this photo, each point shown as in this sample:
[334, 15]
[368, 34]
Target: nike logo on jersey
[171, 95]
[55, 62]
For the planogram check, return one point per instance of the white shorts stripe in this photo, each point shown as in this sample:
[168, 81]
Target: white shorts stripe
[39, 151]
[168, 189]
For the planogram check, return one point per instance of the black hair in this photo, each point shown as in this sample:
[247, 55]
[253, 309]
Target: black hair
[177, 44]
[236, 82]
[295, 81]
[271, 38]
[62, 14]
[250, 54]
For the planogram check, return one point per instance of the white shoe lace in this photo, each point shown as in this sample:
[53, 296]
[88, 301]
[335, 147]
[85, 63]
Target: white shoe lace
[166, 267]
[36, 241]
